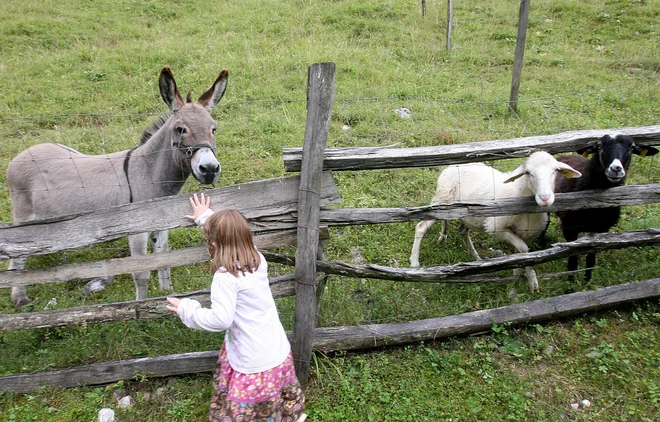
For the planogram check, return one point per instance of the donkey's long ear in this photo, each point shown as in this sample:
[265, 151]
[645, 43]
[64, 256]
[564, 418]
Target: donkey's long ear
[168, 90]
[213, 95]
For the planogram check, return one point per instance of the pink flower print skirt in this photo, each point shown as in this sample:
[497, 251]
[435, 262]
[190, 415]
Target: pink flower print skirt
[269, 396]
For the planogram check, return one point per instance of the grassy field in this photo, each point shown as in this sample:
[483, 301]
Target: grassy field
[85, 74]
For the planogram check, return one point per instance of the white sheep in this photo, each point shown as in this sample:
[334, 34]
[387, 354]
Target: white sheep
[477, 181]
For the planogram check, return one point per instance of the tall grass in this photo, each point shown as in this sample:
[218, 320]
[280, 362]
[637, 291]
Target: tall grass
[85, 75]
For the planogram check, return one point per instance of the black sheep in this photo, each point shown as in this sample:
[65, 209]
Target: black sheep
[607, 168]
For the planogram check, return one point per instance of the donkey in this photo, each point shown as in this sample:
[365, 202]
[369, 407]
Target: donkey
[51, 180]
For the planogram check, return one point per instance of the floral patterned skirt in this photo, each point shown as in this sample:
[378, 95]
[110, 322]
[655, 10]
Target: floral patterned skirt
[269, 396]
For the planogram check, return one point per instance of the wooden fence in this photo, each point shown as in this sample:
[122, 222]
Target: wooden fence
[293, 210]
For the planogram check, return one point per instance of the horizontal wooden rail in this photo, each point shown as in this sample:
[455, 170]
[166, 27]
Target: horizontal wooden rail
[602, 198]
[261, 202]
[127, 265]
[457, 273]
[541, 310]
[453, 273]
[351, 338]
[386, 158]
[122, 311]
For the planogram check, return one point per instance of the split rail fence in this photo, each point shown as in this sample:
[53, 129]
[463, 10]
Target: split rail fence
[293, 210]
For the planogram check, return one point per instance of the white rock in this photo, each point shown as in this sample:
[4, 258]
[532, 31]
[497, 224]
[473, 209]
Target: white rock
[403, 112]
[106, 415]
[124, 402]
[118, 394]
[346, 128]
[585, 403]
[50, 304]
[575, 406]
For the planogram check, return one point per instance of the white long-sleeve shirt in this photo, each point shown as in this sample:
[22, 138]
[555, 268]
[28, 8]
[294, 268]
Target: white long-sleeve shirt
[244, 306]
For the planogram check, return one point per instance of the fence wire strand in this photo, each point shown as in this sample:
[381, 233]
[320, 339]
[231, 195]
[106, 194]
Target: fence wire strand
[258, 129]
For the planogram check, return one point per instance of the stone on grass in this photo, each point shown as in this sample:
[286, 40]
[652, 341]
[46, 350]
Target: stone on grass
[126, 401]
[106, 415]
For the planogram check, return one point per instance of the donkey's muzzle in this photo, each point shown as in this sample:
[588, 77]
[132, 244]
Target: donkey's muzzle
[209, 173]
[205, 166]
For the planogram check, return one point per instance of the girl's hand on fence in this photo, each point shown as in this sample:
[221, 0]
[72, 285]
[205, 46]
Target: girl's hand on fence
[174, 302]
[199, 205]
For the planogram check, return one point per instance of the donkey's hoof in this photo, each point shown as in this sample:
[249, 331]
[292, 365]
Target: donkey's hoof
[95, 286]
[21, 303]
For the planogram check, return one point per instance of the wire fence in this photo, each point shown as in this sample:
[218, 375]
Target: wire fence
[251, 135]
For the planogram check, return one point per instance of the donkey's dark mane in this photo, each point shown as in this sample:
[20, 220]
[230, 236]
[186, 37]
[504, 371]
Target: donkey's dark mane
[151, 131]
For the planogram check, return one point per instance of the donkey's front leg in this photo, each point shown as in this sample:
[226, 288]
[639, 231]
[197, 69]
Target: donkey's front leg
[18, 293]
[160, 239]
[138, 244]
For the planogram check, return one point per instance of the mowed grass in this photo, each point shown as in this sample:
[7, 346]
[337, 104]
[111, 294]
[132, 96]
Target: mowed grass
[85, 75]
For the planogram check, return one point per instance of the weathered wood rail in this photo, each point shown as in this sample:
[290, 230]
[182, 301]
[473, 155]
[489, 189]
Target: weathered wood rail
[273, 206]
[613, 197]
[351, 338]
[127, 265]
[619, 196]
[339, 159]
[259, 201]
[453, 273]
[463, 272]
[122, 311]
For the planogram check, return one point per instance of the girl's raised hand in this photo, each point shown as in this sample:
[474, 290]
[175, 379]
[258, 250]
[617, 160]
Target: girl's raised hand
[199, 205]
[174, 302]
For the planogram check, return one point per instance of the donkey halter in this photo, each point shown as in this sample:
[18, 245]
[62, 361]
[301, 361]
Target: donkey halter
[190, 150]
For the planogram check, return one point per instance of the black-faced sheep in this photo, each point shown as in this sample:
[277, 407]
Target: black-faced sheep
[470, 182]
[608, 167]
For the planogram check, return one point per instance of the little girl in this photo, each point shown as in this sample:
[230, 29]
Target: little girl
[255, 379]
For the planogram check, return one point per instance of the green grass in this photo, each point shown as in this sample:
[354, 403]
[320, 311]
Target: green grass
[85, 74]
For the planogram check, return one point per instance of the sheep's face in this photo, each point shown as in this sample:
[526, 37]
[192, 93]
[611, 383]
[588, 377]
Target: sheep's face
[614, 155]
[541, 170]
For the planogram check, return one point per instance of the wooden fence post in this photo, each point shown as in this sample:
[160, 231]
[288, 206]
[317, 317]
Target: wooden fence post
[520, 52]
[320, 97]
[450, 14]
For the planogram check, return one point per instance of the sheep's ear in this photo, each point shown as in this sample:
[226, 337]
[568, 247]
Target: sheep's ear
[516, 174]
[644, 150]
[590, 148]
[567, 170]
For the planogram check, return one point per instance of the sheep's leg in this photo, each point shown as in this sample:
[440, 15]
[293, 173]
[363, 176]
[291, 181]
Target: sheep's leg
[464, 232]
[138, 244]
[570, 236]
[590, 265]
[160, 239]
[542, 238]
[521, 247]
[18, 293]
[420, 231]
[443, 231]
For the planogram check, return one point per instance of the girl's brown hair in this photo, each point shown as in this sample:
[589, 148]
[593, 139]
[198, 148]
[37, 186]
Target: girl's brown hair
[229, 241]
